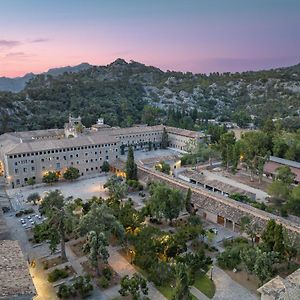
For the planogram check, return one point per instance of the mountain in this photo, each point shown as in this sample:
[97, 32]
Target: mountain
[14, 84]
[125, 93]
[17, 84]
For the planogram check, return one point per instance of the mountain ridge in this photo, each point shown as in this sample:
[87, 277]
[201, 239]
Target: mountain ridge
[127, 93]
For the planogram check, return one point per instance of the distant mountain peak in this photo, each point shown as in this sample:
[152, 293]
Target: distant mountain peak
[119, 62]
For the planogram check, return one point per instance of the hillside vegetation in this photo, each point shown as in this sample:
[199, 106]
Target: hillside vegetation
[127, 93]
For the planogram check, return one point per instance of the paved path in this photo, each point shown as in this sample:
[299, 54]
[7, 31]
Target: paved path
[45, 290]
[259, 193]
[199, 295]
[228, 289]
[123, 267]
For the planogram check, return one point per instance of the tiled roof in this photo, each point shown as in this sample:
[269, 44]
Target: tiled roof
[282, 289]
[15, 279]
[271, 167]
[184, 132]
[286, 162]
[84, 140]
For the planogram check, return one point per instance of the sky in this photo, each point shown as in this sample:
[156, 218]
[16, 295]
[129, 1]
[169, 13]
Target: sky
[200, 36]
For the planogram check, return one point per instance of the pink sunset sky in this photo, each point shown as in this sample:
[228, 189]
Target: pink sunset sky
[191, 35]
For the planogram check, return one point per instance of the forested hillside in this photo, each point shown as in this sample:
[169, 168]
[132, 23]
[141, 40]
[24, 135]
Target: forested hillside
[127, 93]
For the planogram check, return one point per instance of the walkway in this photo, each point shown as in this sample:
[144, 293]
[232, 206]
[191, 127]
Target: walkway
[45, 290]
[123, 267]
[228, 289]
[260, 195]
[198, 294]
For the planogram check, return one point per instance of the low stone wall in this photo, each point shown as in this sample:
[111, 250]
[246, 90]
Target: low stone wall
[216, 204]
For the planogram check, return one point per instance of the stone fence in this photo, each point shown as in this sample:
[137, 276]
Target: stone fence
[218, 205]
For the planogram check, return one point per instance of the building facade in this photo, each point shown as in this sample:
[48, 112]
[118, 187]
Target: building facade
[33, 154]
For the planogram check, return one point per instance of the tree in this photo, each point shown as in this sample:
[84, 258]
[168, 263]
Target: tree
[273, 239]
[291, 246]
[164, 139]
[31, 181]
[134, 286]
[101, 219]
[285, 175]
[248, 258]
[34, 197]
[96, 248]
[255, 151]
[117, 188]
[188, 203]
[131, 167]
[105, 166]
[263, 267]
[50, 177]
[129, 217]
[294, 201]
[163, 167]
[195, 262]
[226, 147]
[250, 227]
[71, 174]
[165, 201]
[59, 220]
[182, 290]
[279, 192]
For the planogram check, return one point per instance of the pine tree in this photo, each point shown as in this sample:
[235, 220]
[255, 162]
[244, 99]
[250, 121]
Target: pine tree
[188, 204]
[131, 168]
[164, 139]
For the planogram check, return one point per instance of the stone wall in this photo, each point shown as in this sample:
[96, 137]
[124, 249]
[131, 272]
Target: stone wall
[216, 204]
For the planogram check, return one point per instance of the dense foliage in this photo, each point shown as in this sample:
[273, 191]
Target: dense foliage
[127, 93]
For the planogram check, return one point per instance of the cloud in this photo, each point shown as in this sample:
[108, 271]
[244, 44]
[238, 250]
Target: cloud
[39, 40]
[7, 44]
[16, 54]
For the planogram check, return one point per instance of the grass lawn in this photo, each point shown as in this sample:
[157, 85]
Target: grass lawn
[205, 285]
[168, 292]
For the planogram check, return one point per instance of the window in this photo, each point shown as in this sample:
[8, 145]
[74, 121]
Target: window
[25, 170]
[16, 171]
[32, 168]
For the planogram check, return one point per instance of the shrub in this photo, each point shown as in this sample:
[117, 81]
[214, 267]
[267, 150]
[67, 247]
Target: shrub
[24, 212]
[57, 274]
[230, 258]
[103, 282]
[107, 273]
[83, 286]
[65, 291]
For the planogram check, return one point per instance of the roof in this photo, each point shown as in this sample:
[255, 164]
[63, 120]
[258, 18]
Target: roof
[184, 132]
[83, 140]
[37, 133]
[156, 160]
[271, 167]
[227, 188]
[40, 140]
[286, 162]
[15, 279]
[279, 288]
[132, 130]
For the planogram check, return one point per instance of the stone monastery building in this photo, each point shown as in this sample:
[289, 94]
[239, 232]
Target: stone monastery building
[31, 154]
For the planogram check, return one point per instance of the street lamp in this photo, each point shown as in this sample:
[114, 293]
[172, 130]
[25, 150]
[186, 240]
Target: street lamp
[131, 255]
[211, 271]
